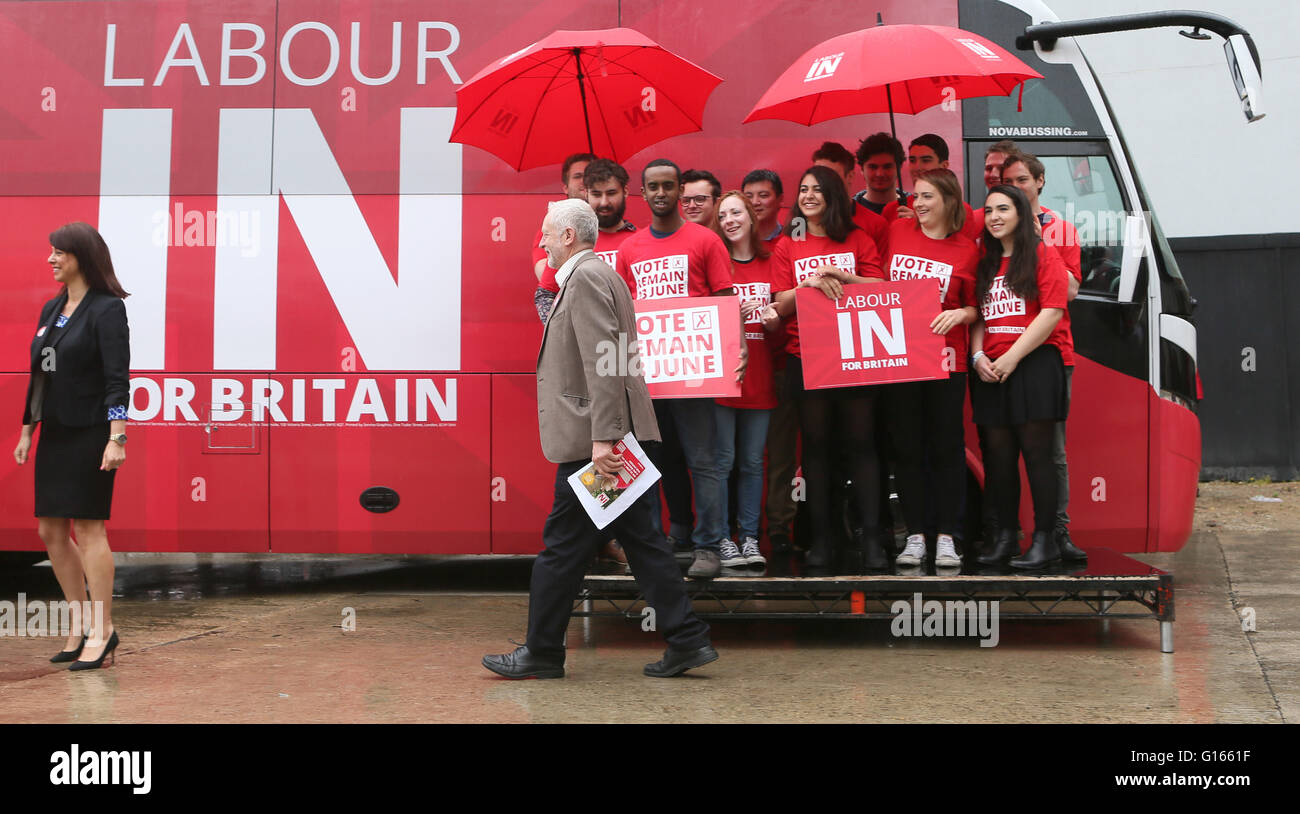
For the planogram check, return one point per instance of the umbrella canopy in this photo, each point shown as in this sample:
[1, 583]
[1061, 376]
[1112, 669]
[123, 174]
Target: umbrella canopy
[611, 92]
[890, 68]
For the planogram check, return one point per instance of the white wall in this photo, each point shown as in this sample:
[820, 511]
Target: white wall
[1207, 171]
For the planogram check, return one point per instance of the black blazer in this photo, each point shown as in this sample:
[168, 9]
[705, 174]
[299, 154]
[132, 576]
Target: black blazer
[91, 360]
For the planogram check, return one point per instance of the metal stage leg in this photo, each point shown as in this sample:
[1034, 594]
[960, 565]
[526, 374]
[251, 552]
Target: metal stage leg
[586, 621]
[1166, 637]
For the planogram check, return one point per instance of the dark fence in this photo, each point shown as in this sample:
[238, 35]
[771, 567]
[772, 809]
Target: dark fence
[1247, 318]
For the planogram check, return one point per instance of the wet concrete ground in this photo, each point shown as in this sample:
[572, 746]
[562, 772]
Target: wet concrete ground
[231, 638]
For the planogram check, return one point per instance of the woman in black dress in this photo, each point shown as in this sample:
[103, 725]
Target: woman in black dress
[78, 392]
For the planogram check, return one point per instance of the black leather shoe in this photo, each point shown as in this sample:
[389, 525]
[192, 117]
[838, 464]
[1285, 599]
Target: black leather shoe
[523, 664]
[1069, 551]
[1005, 546]
[68, 655]
[820, 560]
[873, 553]
[108, 653]
[676, 662]
[1042, 552]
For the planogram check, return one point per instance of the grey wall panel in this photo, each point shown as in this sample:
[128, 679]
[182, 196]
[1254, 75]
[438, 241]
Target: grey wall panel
[1248, 324]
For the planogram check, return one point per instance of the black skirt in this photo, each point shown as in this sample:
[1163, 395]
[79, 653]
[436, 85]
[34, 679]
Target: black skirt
[1036, 391]
[69, 482]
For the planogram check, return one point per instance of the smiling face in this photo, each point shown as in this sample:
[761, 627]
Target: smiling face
[1000, 216]
[609, 199]
[811, 201]
[762, 196]
[553, 242]
[930, 207]
[64, 266]
[734, 220]
[661, 190]
[698, 203]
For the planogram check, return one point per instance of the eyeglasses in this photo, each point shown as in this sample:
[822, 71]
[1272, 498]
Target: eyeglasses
[696, 200]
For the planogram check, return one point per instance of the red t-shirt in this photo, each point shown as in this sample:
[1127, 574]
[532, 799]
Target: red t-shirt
[548, 273]
[1061, 235]
[753, 281]
[691, 262]
[972, 228]
[607, 244]
[913, 256]
[797, 258]
[1006, 316]
[876, 227]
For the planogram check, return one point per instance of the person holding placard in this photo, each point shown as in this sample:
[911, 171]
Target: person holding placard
[743, 421]
[1021, 391]
[925, 418]
[675, 258]
[583, 411]
[827, 251]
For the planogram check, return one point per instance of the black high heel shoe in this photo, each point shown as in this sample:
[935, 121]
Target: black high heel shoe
[69, 655]
[97, 663]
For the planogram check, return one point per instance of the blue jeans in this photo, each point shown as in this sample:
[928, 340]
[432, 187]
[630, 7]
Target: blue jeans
[694, 421]
[743, 434]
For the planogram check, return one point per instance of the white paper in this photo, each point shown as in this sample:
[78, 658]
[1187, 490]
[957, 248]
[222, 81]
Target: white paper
[607, 498]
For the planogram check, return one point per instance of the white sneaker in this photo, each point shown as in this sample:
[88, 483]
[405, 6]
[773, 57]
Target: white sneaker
[913, 552]
[730, 554]
[749, 549]
[945, 554]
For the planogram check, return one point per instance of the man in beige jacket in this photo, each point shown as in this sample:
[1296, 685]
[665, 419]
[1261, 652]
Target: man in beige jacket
[586, 403]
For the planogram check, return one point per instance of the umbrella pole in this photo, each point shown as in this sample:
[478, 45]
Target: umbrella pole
[582, 91]
[889, 97]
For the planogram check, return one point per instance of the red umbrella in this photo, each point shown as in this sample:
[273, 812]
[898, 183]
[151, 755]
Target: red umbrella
[903, 68]
[611, 92]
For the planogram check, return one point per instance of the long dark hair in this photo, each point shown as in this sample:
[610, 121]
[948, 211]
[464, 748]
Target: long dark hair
[1022, 270]
[83, 241]
[838, 217]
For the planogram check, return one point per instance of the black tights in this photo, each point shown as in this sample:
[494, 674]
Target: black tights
[840, 424]
[1005, 443]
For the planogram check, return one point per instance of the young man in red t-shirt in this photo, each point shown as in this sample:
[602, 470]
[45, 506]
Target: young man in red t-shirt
[880, 156]
[701, 190]
[1025, 172]
[994, 158]
[764, 192]
[571, 173]
[606, 188]
[676, 258]
[929, 151]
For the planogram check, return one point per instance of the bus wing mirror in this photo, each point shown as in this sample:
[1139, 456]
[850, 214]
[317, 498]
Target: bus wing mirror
[1245, 75]
[1135, 246]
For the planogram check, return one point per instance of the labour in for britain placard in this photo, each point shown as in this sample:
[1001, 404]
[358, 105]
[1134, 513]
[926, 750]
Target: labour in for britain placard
[874, 333]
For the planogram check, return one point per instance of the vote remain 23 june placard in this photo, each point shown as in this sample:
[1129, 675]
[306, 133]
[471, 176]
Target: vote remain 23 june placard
[690, 346]
[873, 334]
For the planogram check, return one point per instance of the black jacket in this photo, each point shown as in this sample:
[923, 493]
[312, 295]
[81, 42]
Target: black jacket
[89, 362]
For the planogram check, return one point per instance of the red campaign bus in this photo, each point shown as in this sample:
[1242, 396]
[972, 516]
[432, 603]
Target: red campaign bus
[332, 328]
